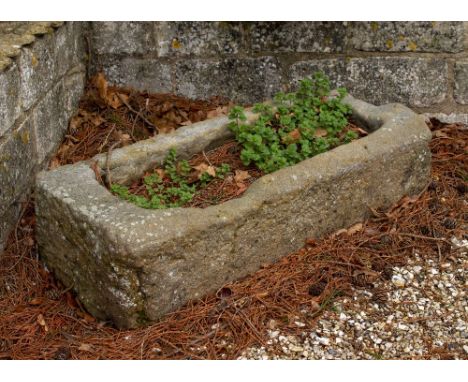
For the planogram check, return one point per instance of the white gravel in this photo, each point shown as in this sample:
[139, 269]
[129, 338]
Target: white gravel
[425, 316]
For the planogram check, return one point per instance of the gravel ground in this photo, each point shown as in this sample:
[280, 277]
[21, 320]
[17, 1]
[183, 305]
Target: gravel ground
[420, 312]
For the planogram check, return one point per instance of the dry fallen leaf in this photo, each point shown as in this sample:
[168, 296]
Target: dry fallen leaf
[240, 176]
[320, 132]
[41, 321]
[439, 134]
[84, 347]
[36, 301]
[220, 110]
[54, 163]
[203, 167]
[101, 85]
[96, 119]
[339, 232]
[111, 98]
[353, 229]
[241, 187]
[360, 131]
[160, 172]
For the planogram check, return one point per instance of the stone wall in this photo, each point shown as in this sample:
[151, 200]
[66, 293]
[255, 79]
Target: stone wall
[421, 64]
[42, 75]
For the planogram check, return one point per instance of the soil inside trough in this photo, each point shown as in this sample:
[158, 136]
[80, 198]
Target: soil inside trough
[218, 189]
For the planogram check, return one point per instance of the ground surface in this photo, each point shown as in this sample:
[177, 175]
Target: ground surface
[391, 287]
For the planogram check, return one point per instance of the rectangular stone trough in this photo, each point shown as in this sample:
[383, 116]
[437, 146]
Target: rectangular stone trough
[132, 265]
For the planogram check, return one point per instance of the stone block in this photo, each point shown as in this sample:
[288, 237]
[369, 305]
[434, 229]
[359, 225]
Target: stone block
[7, 222]
[73, 83]
[69, 49]
[132, 265]
[9, 98]
[416, 82]
[50, 122]
[198, 38]
[138, 73]
[297, 36]
[461, 82]
[114, 37]
[449, 118]
[17, 164]
[404, 36]
[244, 80]
[334, 68]
[38, 69]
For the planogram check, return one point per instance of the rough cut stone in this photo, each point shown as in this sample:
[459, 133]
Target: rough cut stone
[300, 36]
[417, 82]
[139, 73]
[403, 36]
[133, 265]
[123, 37]
[51, 115]
[335, 69]
[242, 80]
[9, 98]
[15, 34]
[461, 82]
[69, 47]
[11, 214]
[449, 118]
[17, 164]
[38, 69]
[198, 38]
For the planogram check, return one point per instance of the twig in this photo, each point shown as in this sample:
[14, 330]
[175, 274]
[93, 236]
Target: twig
[203, 152]
[422, 237]
[124, 101]
[107, 138]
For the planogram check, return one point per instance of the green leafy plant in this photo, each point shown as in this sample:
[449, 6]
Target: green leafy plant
[295, 127]
[174, 190]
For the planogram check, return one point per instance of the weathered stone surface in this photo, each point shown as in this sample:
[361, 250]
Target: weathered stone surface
[51, 115]
[50, 122]
[449, 118]
[461, 82]
[404, 36]
[242, 80]
[335, 69]
[7, 218]
[69, 47]
[114, 37]
[38, 70]
[139, 73]
[73, 83]
[9, 98]
[17, 164]
[15, 34]
[298, 36]
[419, 82]
[133, 265]
[198, 38]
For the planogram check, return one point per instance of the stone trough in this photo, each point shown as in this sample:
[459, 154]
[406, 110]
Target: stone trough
[133, 265]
